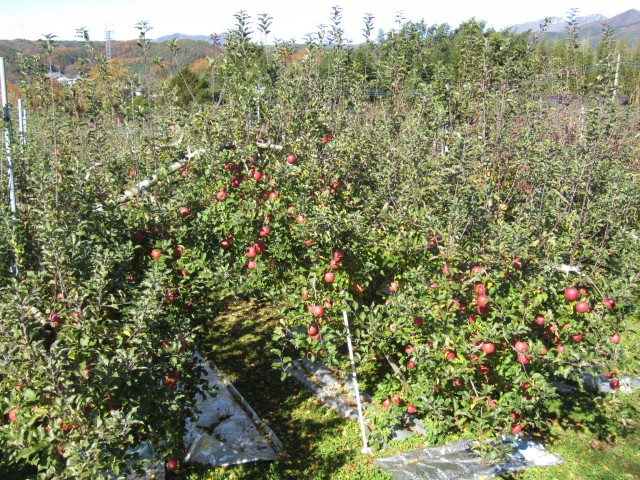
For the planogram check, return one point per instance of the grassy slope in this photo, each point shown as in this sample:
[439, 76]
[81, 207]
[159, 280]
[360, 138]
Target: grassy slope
[321, 445]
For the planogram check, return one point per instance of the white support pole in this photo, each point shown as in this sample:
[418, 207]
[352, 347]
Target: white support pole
[615, 81]
[365, 447]
[22, 122]
[7, 146]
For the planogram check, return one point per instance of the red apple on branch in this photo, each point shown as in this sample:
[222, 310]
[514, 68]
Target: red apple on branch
[483, 301]
[521, 347]
[488, 347]
[571, 294]
[582, 307]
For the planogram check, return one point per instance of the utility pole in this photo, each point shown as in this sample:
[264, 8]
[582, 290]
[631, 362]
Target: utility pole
[108, 34]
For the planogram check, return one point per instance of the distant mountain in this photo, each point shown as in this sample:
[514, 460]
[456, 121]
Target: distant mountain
[182, 36]
[626, 19]
[557, 24]
[626, 24]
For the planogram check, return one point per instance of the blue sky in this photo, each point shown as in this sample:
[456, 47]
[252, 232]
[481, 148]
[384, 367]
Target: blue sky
[32, 19]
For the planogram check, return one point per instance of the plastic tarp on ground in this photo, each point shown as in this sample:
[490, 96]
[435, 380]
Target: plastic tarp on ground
[228, 431]
[457, 461]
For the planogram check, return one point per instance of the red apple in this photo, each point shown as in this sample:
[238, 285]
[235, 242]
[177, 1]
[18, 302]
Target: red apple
[155, 253]
[257, 175]
[308, 242]
[521, 347]
[477, 270]
[411, 408]
[409, 349]
[221, 195]
[516, 428]
[172, 463]
[560, 348]
[609, 303]
[417, 321]
[479, 289]
[55, 320]
[615, 338]
[449, 354]
[523, 359]
[577, 337]
[483, 301]
[582, 307]
[539, 319]
[334, 264]
[571, 294]
[184, 211]
[251, 264]
[300, 219]
[291, 159]
[411, 364]
[329, 277]
[251, 252]
[544, 351]
[483, 369]
[393, 287]
[317, 311]
[13, 414]
[264, 231]
[488, 347]
[312, 330]
[225, 244]
[614, 384]
[273, 195]
[395, 399]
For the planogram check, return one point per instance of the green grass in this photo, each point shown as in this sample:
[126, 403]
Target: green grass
[598, 439]
[321, 445]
